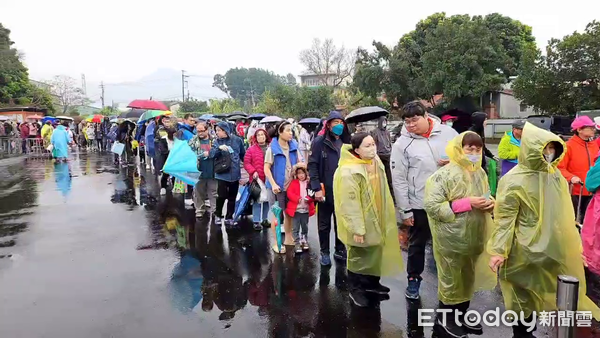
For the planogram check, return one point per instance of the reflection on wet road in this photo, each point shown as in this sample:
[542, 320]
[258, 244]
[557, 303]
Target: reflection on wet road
[90, 250]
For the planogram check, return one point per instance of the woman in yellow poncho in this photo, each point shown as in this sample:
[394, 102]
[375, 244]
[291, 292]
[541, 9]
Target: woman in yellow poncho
[535, 239]
[458, 204]
[46, 133]
[366, 218]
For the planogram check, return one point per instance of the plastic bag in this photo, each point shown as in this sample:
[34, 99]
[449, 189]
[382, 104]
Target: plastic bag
[50, 147]
[117, 148]
[264, 193]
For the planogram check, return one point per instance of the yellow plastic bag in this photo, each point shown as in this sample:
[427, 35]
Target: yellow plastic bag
[134, 144]
[459, 239]
[535, 229]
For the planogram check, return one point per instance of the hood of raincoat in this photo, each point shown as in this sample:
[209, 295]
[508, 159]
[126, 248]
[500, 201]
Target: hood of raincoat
[533, 142]
[364, 206]
[535, 230]
[459, 238]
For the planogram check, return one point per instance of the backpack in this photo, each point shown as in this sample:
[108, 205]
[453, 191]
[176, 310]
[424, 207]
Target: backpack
[223, 163]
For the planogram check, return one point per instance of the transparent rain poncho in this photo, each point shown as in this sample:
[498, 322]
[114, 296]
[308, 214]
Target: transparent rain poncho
[459, 239]
[535, 229]
[364, 206]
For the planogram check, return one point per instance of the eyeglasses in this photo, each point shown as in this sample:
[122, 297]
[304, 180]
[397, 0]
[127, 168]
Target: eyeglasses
[412, 121]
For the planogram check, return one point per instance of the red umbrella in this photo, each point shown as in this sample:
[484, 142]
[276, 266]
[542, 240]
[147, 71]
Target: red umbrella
[147, 104]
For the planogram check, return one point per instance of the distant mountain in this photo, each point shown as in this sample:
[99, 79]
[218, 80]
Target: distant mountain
[163, 84]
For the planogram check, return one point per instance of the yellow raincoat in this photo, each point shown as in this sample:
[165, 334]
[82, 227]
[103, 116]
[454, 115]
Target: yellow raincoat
[459, 239]
[46, 133]
[535, 229]
[364, 206]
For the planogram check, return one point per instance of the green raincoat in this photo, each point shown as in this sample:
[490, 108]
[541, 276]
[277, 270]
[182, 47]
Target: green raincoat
[364, 206]
[459, 239]
[535, 229]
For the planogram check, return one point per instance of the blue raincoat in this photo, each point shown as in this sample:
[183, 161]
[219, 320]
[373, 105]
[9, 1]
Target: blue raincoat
[150, 137]
[60, 141]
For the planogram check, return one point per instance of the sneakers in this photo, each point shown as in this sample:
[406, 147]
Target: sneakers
[412, 290]
[163, 191]
[475, 329]
[298, 248]
[304, 243]
[379, 289]
[325, 260]
[451, 329]
[359, 298]
[340, 255]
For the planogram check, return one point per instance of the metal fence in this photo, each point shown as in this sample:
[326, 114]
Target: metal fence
[32, 147]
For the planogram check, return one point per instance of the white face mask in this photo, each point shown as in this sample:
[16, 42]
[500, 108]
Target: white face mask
[549, 157]
[474, 158]
[368, 153]
[449, 123]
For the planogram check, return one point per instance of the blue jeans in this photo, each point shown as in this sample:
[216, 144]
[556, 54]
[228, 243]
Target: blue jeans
[256, 215]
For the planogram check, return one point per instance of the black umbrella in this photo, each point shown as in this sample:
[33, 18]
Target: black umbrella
[365, 114]
[237, 115]
[132, 113]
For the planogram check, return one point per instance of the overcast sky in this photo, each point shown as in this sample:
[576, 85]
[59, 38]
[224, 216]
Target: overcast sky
[124, 40]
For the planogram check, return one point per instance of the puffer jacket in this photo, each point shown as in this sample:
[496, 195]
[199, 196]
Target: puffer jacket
[236, 143]
[254, 161]
[415, 158]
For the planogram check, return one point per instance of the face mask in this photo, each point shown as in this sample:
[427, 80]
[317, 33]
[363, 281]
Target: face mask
[474, 158]
[549, 157]
[384, 125]
[369, 153]
[338, 129]
[449, 123]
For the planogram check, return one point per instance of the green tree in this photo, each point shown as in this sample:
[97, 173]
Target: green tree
[224, 106]
[247, 84]
[193, 105]
[268, 104]
[567, 79]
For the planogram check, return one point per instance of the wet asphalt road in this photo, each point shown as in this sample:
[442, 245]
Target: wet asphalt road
[85, 252]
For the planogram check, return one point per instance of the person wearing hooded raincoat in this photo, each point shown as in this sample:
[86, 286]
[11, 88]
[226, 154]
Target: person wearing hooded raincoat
[459, 209]
[535, 238]
[364, 208]
[47, 131]
[60, 143]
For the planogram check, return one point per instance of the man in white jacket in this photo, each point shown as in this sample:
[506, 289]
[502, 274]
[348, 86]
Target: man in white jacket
[417, 154]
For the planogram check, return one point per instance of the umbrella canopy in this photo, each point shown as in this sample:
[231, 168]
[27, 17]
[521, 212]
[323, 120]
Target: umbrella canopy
[65, 118]
[220, 116]
[134, 113]
[147, 104]
[271, 119]
[257, 116]
[365, 114]
[236, 115]
[206, 117]
[49, 118]
[114, 120]
[310, 120]
[95, 118]
[150, 114]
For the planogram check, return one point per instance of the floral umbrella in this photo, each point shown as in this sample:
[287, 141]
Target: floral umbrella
[150, 114]
[95, 118]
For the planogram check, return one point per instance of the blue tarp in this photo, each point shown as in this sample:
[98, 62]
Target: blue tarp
[182, 163]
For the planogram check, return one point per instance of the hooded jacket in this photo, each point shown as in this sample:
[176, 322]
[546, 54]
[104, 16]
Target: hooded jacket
[324, 158]
[535, 229]
[254, 160]
[580, 157]
[414, 159]
[383, 141]
[237, 145]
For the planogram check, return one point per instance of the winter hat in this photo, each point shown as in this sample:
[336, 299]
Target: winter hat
[582, 122]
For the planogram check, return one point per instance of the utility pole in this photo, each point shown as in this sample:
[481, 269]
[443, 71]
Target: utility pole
[102, 95]
[183, 83]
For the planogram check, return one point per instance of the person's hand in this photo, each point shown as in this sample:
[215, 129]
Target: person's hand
[205, 154]
[442, 163]
[576, 180]
[241, 182]
[479, 202]
[409, 221]
[223, 147]
[490, 205]
[255, 176]
[359, 239]
[276, 189]
[319, 196]
[495, 262]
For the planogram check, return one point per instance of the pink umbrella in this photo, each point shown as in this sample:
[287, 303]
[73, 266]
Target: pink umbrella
[147, 104]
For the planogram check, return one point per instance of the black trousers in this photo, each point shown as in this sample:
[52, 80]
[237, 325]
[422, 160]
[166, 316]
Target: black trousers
[324, 213]
[450, 316]
[585, 201]
[226, 191]
[358, 282]
[385, 159]
[418, 235]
